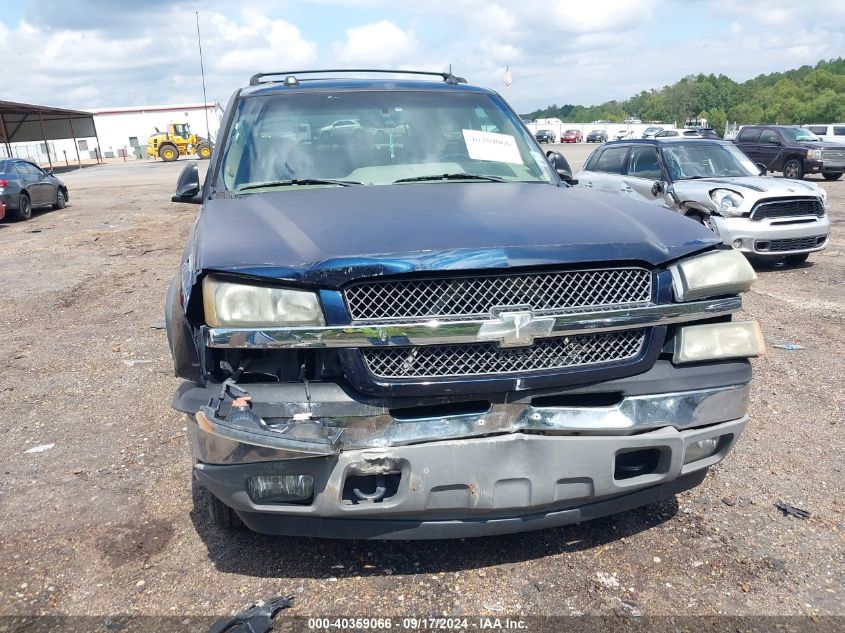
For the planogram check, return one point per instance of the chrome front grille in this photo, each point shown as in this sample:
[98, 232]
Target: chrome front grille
[485, 359]
[460, 298]
[833, 157]
[787, 207]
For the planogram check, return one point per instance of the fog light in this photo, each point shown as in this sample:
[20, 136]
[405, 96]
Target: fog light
[280, 488]
[701, 449]
[737, 243]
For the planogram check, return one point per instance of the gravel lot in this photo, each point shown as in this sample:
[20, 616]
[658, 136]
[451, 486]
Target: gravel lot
[104, 520]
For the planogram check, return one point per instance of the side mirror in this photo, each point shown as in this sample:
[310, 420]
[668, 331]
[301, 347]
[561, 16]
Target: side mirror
[762, 168]
[49, 172]
[657, 188]
[561, 166]
[188, 185]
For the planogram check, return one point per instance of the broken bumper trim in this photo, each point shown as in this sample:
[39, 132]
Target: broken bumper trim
[218, 440]
[474, 487]
[436, 332]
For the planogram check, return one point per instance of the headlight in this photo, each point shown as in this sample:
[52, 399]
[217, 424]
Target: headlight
[823, 193]
[720, 273]
[815, 154]
[736, 339]
[229, 304]
[727, 202]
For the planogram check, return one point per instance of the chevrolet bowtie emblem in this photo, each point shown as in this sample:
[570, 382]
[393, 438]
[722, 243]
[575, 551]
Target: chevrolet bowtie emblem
[516, 329]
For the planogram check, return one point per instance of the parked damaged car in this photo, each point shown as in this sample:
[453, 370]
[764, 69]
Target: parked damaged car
[714, 183]
[435, 335]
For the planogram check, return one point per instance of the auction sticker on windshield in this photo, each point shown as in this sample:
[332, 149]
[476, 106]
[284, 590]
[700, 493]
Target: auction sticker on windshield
[492, 146]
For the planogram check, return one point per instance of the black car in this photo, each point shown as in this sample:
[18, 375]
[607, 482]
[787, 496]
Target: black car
[545, 136]
[24, 186]
[792, 150]
[436, 336]
[597, 136]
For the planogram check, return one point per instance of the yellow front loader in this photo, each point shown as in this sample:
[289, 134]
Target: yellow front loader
[177, 141]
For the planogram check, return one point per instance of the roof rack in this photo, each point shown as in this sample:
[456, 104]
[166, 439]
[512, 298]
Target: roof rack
[290, 78]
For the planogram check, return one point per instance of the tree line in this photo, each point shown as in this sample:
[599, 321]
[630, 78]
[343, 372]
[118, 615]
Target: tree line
[809, 94]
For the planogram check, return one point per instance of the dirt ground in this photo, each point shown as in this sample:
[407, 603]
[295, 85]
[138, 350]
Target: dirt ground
[103, 520]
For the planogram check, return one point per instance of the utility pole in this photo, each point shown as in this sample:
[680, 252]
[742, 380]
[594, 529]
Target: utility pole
[202, 73]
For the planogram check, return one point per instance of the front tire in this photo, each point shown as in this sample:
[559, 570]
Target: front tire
[832, 176]
[24, 210]
[168, 153]
[221, 515]
[204, 151]
[793, 169]
[61, 201]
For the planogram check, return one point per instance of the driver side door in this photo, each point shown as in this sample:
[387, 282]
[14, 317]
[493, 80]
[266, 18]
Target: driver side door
[769, 147]
[644, 170]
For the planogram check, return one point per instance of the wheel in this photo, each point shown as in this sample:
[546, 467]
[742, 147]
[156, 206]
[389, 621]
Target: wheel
[24, 211]
[61, 202]
[794, 260]
[827, 175]
[221, 515]
[204, 150]
[793, 169]
[168, 153]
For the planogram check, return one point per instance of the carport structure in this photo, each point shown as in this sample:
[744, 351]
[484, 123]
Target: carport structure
[26, 122]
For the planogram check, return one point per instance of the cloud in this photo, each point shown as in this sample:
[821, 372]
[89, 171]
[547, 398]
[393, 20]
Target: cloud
[380, 44]
[99, 53]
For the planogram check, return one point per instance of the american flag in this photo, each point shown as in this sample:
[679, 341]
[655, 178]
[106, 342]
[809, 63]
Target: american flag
[507, 79]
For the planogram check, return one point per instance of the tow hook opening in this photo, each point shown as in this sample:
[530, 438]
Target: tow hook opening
[638, 462]
[358, 489]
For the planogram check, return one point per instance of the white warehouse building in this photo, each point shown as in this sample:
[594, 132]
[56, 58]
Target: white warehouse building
[119, 128]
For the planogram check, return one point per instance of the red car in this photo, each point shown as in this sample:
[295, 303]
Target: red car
[2, 210]
[571, 136]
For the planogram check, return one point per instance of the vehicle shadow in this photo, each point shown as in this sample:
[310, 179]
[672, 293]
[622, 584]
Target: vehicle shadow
[245, 552]
[764, 267]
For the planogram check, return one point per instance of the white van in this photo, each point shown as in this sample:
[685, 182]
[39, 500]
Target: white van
[832, 132]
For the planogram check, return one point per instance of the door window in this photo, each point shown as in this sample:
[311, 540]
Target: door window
[821, 130]
[769, 136]
[612, 160]
[644, 163]
[749, 135]
[839, 130]
[27, 169]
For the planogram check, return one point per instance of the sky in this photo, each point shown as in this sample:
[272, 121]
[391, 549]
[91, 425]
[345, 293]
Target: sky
[114, 53]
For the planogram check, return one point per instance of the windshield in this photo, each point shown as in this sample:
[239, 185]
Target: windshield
[707, 160]
[377, 138]
[798, 134]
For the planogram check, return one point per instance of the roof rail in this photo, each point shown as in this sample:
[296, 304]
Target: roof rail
[290, 75]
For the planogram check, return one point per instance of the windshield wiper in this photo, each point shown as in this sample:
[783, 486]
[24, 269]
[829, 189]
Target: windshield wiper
[297, 181]
[457, 176]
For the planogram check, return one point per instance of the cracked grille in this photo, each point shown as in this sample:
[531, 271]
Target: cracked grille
[477, 359]
[786, 208]
[468, 297]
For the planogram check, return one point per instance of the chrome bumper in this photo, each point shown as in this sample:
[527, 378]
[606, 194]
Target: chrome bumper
[297, 435]
[752, 231]
[436, 332]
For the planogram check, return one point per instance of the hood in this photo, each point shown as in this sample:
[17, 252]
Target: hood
[816, 144]
[753, 186]
[328, 236]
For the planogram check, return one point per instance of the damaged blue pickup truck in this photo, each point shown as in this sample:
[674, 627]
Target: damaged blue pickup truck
[395, 318]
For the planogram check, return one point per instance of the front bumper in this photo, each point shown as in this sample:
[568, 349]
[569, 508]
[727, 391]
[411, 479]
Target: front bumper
[524, 463]
[476, 487]
[760, 237]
